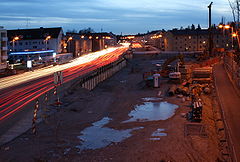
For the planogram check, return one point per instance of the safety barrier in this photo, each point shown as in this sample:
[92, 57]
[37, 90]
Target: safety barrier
[92, 79]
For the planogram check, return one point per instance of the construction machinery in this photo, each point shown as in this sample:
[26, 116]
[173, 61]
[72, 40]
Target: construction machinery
[166, 71]
[165, 68]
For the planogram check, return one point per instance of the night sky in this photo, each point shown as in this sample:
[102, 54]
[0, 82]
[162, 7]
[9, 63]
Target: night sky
[126, 16]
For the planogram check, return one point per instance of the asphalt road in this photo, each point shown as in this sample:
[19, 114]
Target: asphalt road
[19, 91]
[230, 102]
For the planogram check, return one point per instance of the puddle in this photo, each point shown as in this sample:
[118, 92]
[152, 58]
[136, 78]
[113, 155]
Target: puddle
[152, 111]
[149, 99]
[157, 134]
[97, 136]
[154, 139]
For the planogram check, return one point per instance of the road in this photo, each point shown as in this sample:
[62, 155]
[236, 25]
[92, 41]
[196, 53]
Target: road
[14, 80]
[230, 102]
[18, 91]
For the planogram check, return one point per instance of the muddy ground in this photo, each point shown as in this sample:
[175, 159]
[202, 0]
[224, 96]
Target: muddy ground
[115, 98]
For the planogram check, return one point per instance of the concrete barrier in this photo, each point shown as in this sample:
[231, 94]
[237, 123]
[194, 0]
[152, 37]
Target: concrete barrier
[92, 79]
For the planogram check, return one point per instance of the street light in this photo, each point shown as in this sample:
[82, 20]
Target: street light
[69, 39]
[220, 26]
[46, 40]
[227, 26]
[234, 34]
[68, 44]
[14, 40]
[48, 37]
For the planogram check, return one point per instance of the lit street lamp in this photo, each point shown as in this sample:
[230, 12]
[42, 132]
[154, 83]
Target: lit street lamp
[46, 41]
[227, 26]
[14, 40]
[234, 34]
[68, 43]
[69, 39]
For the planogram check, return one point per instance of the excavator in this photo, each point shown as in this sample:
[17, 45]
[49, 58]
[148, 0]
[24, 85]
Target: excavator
[165, 71]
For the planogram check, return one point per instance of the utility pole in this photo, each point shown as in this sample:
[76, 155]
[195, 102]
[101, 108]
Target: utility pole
[210, 41]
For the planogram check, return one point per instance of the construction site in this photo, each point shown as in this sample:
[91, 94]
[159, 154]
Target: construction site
[159, 107]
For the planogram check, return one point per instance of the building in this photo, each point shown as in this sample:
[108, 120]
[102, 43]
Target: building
[189, 40]
[150, 37]
[110, 39]
[79, 44]
[3, 48]
[195, 40]
[156, 39]
[35, 39]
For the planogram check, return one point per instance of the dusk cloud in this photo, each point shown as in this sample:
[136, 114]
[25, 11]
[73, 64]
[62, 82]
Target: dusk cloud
[110, 15]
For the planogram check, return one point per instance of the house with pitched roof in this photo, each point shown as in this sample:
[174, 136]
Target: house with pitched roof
[37, 39]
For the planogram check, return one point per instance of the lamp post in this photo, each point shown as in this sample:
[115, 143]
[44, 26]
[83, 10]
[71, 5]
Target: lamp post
[14, 40]
[82, 46]
[233, 35]
[68, 43]
[46, 41]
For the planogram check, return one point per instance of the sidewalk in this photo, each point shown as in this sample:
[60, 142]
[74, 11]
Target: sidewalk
[230, 103]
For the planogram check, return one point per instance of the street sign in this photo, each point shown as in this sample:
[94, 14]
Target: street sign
[58, 77]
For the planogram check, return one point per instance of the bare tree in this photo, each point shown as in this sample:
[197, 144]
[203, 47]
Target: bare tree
[235, 7]
[234, 4]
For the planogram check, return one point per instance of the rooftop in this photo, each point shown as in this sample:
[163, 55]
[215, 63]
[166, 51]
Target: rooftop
[193, 32]
[38, 33]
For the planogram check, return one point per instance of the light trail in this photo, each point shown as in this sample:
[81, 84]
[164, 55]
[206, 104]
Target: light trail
[27, 76]
[23, 92]
[136, 45]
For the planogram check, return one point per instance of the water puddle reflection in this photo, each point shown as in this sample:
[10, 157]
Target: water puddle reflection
[151, 99]
[97, 136]
[152, 111]
[157, 134]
